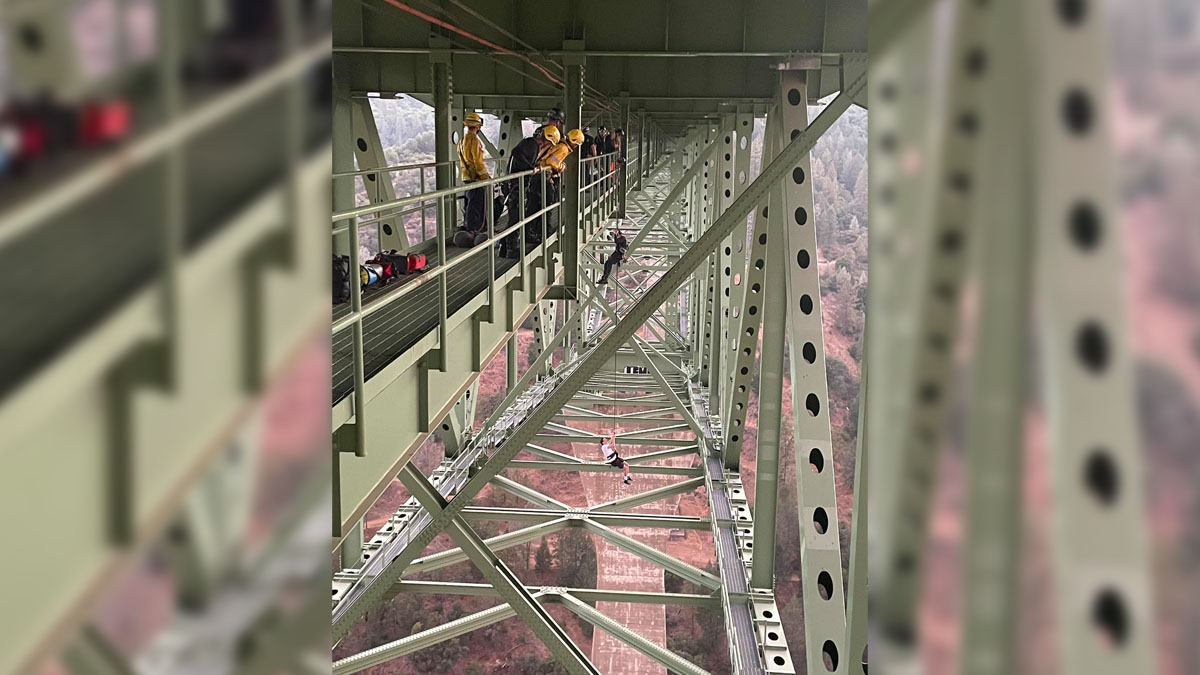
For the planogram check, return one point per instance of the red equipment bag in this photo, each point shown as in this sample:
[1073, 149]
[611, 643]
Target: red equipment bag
[402, 263]
[104, 122]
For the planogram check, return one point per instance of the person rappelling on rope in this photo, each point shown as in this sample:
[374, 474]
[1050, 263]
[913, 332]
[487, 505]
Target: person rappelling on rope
[609, 447]
[620, 245]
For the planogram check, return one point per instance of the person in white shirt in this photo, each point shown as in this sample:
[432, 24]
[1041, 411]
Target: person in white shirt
[608, 446]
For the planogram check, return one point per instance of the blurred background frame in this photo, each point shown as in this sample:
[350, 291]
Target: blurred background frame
[163, 164]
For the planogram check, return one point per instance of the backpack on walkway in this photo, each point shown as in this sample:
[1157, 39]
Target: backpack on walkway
[341, 278]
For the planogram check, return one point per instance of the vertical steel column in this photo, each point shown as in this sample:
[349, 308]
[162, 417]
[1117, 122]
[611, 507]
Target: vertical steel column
[343, 197]
[705, 190]
[543, 329]
[995, 437]
[513, 357]
[820, 553]
[369, 151]
[343, 152]
[643, 167]
[856, 598]
[510, 135]
[937, 312]
[770, 388]
[442, 122]
[350, 550]
[623, 175]
[569, 211]
[1100, 530]
[899, 208]
[739, 177]
[455, 430]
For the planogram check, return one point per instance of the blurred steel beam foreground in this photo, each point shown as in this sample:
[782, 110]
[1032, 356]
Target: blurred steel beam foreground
[133, 385]
[1015, 175]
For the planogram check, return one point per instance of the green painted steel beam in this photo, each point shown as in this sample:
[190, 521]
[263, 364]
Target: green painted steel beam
[528, 494]
[91, 653]
[674, 565]
[627, 437]
[551, 522]
[770, 389]
[584, 594]
[649, 496]
[662, 454]
[598, 467]
[816, 491]
[668, 659]
[569, 220]
[1102, 545]
[928, 387]
[426, 638]
[996, 412]
[552, 455]
[476, 513]
[510, 588]
[856, 593]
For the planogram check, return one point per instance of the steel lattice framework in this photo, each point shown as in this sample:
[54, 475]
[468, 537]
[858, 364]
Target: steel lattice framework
[664, 355]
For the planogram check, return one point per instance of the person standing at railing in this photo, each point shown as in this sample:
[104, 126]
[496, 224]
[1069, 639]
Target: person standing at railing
[587, 151]
[555, 118]
[525, 156]
[603, 141]
[617, 139]
[555, 162]
[470, 162]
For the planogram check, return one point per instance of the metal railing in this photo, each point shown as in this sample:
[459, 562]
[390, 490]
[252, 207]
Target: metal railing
[372, 182]
[597, 197]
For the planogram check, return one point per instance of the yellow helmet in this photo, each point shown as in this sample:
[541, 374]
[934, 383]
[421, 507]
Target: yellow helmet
[575, 137]
[551, 134]
[473, 118]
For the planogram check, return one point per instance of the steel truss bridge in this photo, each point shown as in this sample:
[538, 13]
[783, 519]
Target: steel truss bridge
[114, 401]
[678, 340]
[666, 350]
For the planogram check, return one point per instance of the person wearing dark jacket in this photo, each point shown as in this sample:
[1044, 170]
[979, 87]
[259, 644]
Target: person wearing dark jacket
[525, 156]
[555, 118]
[620, 245]
[588, 149]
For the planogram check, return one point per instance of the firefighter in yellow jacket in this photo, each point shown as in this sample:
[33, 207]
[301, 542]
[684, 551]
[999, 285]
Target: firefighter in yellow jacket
[554, 164]
[555, 160]
[470, 162]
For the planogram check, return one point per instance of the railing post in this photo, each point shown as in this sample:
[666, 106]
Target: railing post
[569, 212]
[443, 356]
[622, 176]
[343, 198]
[643, 142]
[442, 110]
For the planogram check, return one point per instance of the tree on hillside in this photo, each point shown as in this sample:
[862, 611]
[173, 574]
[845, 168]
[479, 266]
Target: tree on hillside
[544, 557]
[576, 557]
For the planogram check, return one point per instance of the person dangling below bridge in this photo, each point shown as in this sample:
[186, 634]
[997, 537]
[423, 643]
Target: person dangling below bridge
[608, 446]
[620, 245]
[470, 162]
